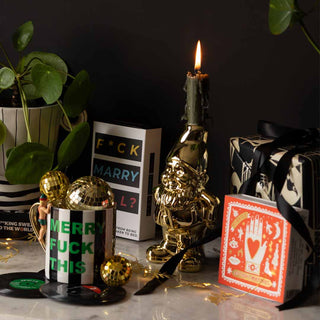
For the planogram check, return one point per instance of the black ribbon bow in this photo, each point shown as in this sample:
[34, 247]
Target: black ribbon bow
[303, 140]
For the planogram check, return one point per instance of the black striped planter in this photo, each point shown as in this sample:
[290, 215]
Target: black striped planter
[44, 129]
[77, 242]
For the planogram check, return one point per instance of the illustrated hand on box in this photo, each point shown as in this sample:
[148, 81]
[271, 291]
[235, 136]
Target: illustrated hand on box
[254, 251]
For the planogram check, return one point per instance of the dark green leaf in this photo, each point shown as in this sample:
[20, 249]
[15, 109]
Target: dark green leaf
[23, 36]
[8, 152]
[3, 132]
[47, 81]
[19, 67]
[77, 94]
[281, 13]
[28, 162]
[7, 78]
[31, 60]
[73, 145]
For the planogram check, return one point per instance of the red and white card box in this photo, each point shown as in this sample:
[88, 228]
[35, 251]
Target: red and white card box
[260, 252]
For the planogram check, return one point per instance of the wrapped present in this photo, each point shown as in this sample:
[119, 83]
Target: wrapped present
[302, 185]
[261, 253]
[255, 163]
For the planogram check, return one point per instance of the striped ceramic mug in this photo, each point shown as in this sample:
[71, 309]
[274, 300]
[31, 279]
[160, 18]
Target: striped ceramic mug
[77, 243]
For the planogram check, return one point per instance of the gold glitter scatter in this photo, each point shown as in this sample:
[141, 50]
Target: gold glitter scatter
[14, 251]
[32, 237]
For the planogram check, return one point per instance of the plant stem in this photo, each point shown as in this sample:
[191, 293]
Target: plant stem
[67, 74]
[26, 72]
[65, 114]
[56, 168]
[307, 34]
[25, 109]
[28, 64]
[6, 55]
[2, 64]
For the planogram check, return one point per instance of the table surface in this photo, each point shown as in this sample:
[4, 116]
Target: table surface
[168, 302]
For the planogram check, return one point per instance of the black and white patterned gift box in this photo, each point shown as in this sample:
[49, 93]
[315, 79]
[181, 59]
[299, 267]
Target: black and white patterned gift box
[302, 185]
[301, 188]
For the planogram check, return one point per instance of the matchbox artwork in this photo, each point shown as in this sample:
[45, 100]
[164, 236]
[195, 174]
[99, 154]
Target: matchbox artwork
[260, 252]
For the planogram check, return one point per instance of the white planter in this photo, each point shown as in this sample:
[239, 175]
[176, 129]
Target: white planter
[44, 129]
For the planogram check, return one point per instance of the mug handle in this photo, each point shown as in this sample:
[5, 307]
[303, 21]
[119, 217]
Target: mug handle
[33, 216]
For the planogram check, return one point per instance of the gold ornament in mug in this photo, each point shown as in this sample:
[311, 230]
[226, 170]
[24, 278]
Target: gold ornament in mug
[54, 184]
[89, 193]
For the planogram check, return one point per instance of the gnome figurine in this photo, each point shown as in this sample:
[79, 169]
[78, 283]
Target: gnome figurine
[184, 208]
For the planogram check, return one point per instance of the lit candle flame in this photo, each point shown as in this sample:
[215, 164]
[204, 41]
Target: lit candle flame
[197, 65]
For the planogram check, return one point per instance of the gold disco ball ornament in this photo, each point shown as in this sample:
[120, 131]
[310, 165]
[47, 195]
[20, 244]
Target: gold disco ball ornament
[54, 184]
[89, 193]
[60, 203]
[116, 271]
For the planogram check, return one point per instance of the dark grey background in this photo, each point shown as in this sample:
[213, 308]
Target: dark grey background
[138, 53]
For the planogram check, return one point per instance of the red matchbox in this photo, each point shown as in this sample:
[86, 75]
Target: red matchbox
[260, 252]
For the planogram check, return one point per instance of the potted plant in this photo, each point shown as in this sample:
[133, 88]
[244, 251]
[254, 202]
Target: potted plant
[285, 13]
[35, 93]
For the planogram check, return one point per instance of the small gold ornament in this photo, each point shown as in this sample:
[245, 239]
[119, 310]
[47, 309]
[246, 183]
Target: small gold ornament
[60, 203]
[54, 184]
[116, 271]
[89, 193]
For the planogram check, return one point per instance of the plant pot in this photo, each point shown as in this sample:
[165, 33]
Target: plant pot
[44, 129]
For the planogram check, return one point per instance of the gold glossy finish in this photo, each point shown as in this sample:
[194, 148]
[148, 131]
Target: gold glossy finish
[89, 193]
[116, 271]
[184, 208]
[33, 217]
[54, 184]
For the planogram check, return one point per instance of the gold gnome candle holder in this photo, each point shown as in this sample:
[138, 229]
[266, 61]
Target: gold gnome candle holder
[184, 208]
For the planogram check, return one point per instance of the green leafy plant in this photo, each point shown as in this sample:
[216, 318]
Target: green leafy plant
[42, 76]
[285, 13]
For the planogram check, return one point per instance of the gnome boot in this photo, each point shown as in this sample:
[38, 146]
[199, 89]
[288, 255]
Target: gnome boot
[163, 251]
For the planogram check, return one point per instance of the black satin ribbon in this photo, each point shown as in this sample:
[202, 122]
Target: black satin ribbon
[292, 216]
[286, 210]
[272, 130]
[283, 136]
[170, 266]
[302, 140]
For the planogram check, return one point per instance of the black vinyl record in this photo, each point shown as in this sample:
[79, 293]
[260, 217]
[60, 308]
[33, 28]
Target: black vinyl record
[22, 284]
[83, 294]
